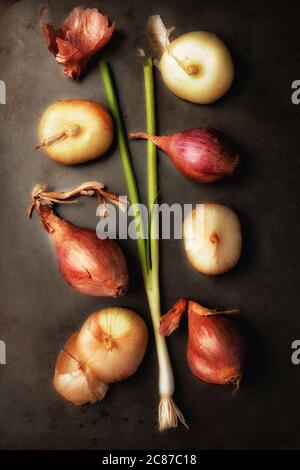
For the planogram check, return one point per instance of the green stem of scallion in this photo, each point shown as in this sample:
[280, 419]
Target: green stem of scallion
[168, 411]
[126, 162]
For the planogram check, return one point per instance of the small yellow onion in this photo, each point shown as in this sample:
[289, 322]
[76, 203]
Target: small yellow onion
[212, 238]
[73, 379]
[197, 67]
[75, 131]
[112, 343]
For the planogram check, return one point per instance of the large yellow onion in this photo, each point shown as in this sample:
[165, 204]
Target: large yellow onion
[212, 238]
[73, 379]
[112, 343]
[75, 131]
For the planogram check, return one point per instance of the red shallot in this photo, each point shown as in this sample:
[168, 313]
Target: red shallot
[203, 155]
[216, 348]
[88, 264]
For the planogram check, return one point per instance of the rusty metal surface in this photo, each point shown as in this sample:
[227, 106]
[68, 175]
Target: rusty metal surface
[39, 312]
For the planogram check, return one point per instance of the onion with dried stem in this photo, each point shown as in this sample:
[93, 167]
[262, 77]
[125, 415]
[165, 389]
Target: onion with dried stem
[90, 265]
[196, 66]
[202, 155]
[75, 131]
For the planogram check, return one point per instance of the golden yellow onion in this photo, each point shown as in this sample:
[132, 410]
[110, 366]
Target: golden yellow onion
[212, 238]
[73, 379]
[75, 131]
[197, 67]
[112, 343]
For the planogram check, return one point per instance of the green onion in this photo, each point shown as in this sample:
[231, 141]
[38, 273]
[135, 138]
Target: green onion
[148, 253]
[126, 161]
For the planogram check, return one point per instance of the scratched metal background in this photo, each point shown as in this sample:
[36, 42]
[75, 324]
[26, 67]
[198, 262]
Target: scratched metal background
[38, 311]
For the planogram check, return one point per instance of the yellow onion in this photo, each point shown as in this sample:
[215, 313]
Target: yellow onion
[73, 379]
[112, 343]
[196, 66]
[75, 131]
[212, 238]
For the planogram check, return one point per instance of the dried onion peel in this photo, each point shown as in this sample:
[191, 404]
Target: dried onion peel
[75, 131]
[84, 32]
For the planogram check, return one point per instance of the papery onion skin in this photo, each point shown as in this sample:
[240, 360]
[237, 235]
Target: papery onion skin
[216, 347]
[215, 350]
[203, 155]
[84, 32]
[89, 265]
[208, 56]
[112, 342]
[73, 380]
[92, 135]
[212, 238]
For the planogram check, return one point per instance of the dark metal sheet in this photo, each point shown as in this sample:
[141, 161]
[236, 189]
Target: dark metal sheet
[38, 311]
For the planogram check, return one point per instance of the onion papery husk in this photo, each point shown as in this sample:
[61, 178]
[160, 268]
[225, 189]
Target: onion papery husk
[74, 380]
[158, 34]
[216, 348]
[40, 196]
[83, 33]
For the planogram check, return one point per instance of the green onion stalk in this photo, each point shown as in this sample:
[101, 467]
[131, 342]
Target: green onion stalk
[168, 413]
